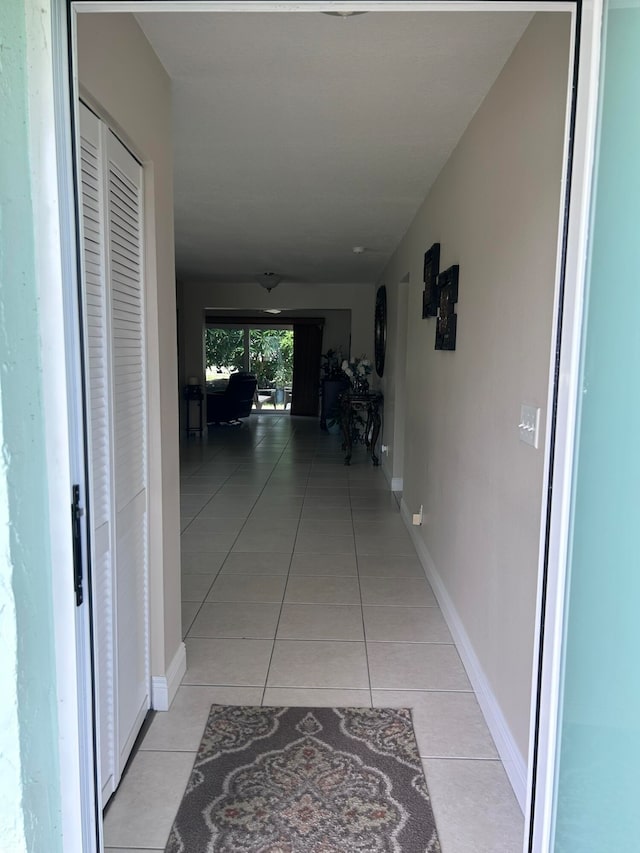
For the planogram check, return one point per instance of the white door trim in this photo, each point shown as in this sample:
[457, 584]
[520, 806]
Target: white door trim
[320, 6]
[559, 469]
[57, 265]
[56, 174]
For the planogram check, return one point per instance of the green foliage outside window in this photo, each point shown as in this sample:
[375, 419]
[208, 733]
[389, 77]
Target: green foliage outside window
[270, 354]
[224, 349]
[271, 357]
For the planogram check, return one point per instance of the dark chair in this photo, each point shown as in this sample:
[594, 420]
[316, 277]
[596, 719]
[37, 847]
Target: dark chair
[234, 402]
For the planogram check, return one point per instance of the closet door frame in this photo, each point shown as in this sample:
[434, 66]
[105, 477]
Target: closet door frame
[117, 756]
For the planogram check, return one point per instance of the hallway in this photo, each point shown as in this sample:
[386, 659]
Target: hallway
[301, 586]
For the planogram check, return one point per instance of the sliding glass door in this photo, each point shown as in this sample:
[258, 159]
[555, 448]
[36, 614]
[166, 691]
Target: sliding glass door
[225, 352]
[265, 351]
[271, 361]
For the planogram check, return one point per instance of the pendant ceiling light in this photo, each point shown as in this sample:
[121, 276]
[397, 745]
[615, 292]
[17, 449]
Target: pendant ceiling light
[344, 14]
[269, 280]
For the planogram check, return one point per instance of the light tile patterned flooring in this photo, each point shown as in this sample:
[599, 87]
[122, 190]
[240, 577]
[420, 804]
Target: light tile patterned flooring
[301, 586]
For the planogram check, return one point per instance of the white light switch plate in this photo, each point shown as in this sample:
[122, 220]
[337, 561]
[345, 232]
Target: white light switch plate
[529, 425]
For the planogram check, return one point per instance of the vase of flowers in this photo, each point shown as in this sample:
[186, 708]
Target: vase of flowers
[330, 364]
[333, 383]
[357, 372]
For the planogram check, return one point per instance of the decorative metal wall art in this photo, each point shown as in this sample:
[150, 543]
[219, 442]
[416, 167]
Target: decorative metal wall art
[439, 297]
[447, 322]
[430, 296]
[380, 329]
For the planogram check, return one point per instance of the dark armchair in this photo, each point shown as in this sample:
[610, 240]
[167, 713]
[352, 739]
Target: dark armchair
[234, 402]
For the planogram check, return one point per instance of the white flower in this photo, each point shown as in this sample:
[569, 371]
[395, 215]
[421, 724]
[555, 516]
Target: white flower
[359, 367]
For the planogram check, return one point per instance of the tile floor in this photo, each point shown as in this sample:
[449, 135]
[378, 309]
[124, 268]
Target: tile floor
[301, 585]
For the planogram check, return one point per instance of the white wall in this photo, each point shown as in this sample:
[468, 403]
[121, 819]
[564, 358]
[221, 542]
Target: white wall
[121, 75]
[196, 297]
[494, 208]
[394, 381]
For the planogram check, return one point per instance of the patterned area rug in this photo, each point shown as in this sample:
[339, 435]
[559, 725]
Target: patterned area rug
[306, 780]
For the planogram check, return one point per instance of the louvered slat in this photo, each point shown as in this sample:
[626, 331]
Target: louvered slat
[96, 331]
[99, 426]
[129, 435]
[127, 334]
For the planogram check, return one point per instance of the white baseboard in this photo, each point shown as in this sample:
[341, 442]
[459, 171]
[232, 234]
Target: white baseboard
[395, 483]
[165, 687]
[512, 759]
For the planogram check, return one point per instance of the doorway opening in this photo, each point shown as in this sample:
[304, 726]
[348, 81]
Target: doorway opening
[257, 359]
[264, 351]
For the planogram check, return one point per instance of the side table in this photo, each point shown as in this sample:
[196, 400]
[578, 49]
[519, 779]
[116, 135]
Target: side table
[193, 394]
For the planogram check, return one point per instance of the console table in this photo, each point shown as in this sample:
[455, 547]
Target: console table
[193, 394]
[360, 421]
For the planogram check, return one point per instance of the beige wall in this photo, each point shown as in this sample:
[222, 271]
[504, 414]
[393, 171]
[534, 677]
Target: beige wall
[196, 297]
[494, 208]
[394, 380]
[121, 75]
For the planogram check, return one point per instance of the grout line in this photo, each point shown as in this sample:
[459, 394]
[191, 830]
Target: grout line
[217, 574]
[221, 685]
[312, 639]
[414, 642]
[200, 604]
[468, 691]
[495, 760]
[303, 640]
[224, 482]
[156, 749]
[364, 630]
[284, 593]
[225, 685]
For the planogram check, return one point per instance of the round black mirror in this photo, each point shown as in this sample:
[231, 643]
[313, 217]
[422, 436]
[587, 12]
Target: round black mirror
[380, 329]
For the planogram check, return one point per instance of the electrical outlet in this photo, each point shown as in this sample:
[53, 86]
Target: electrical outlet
[384, 448]
[417, 518]
[529, 425]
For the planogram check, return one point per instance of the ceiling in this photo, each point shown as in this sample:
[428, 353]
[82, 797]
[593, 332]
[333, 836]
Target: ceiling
[301, 135]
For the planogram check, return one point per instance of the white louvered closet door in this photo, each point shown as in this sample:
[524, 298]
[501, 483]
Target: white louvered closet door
[96, 310]
[111, 184]
[130, 438]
